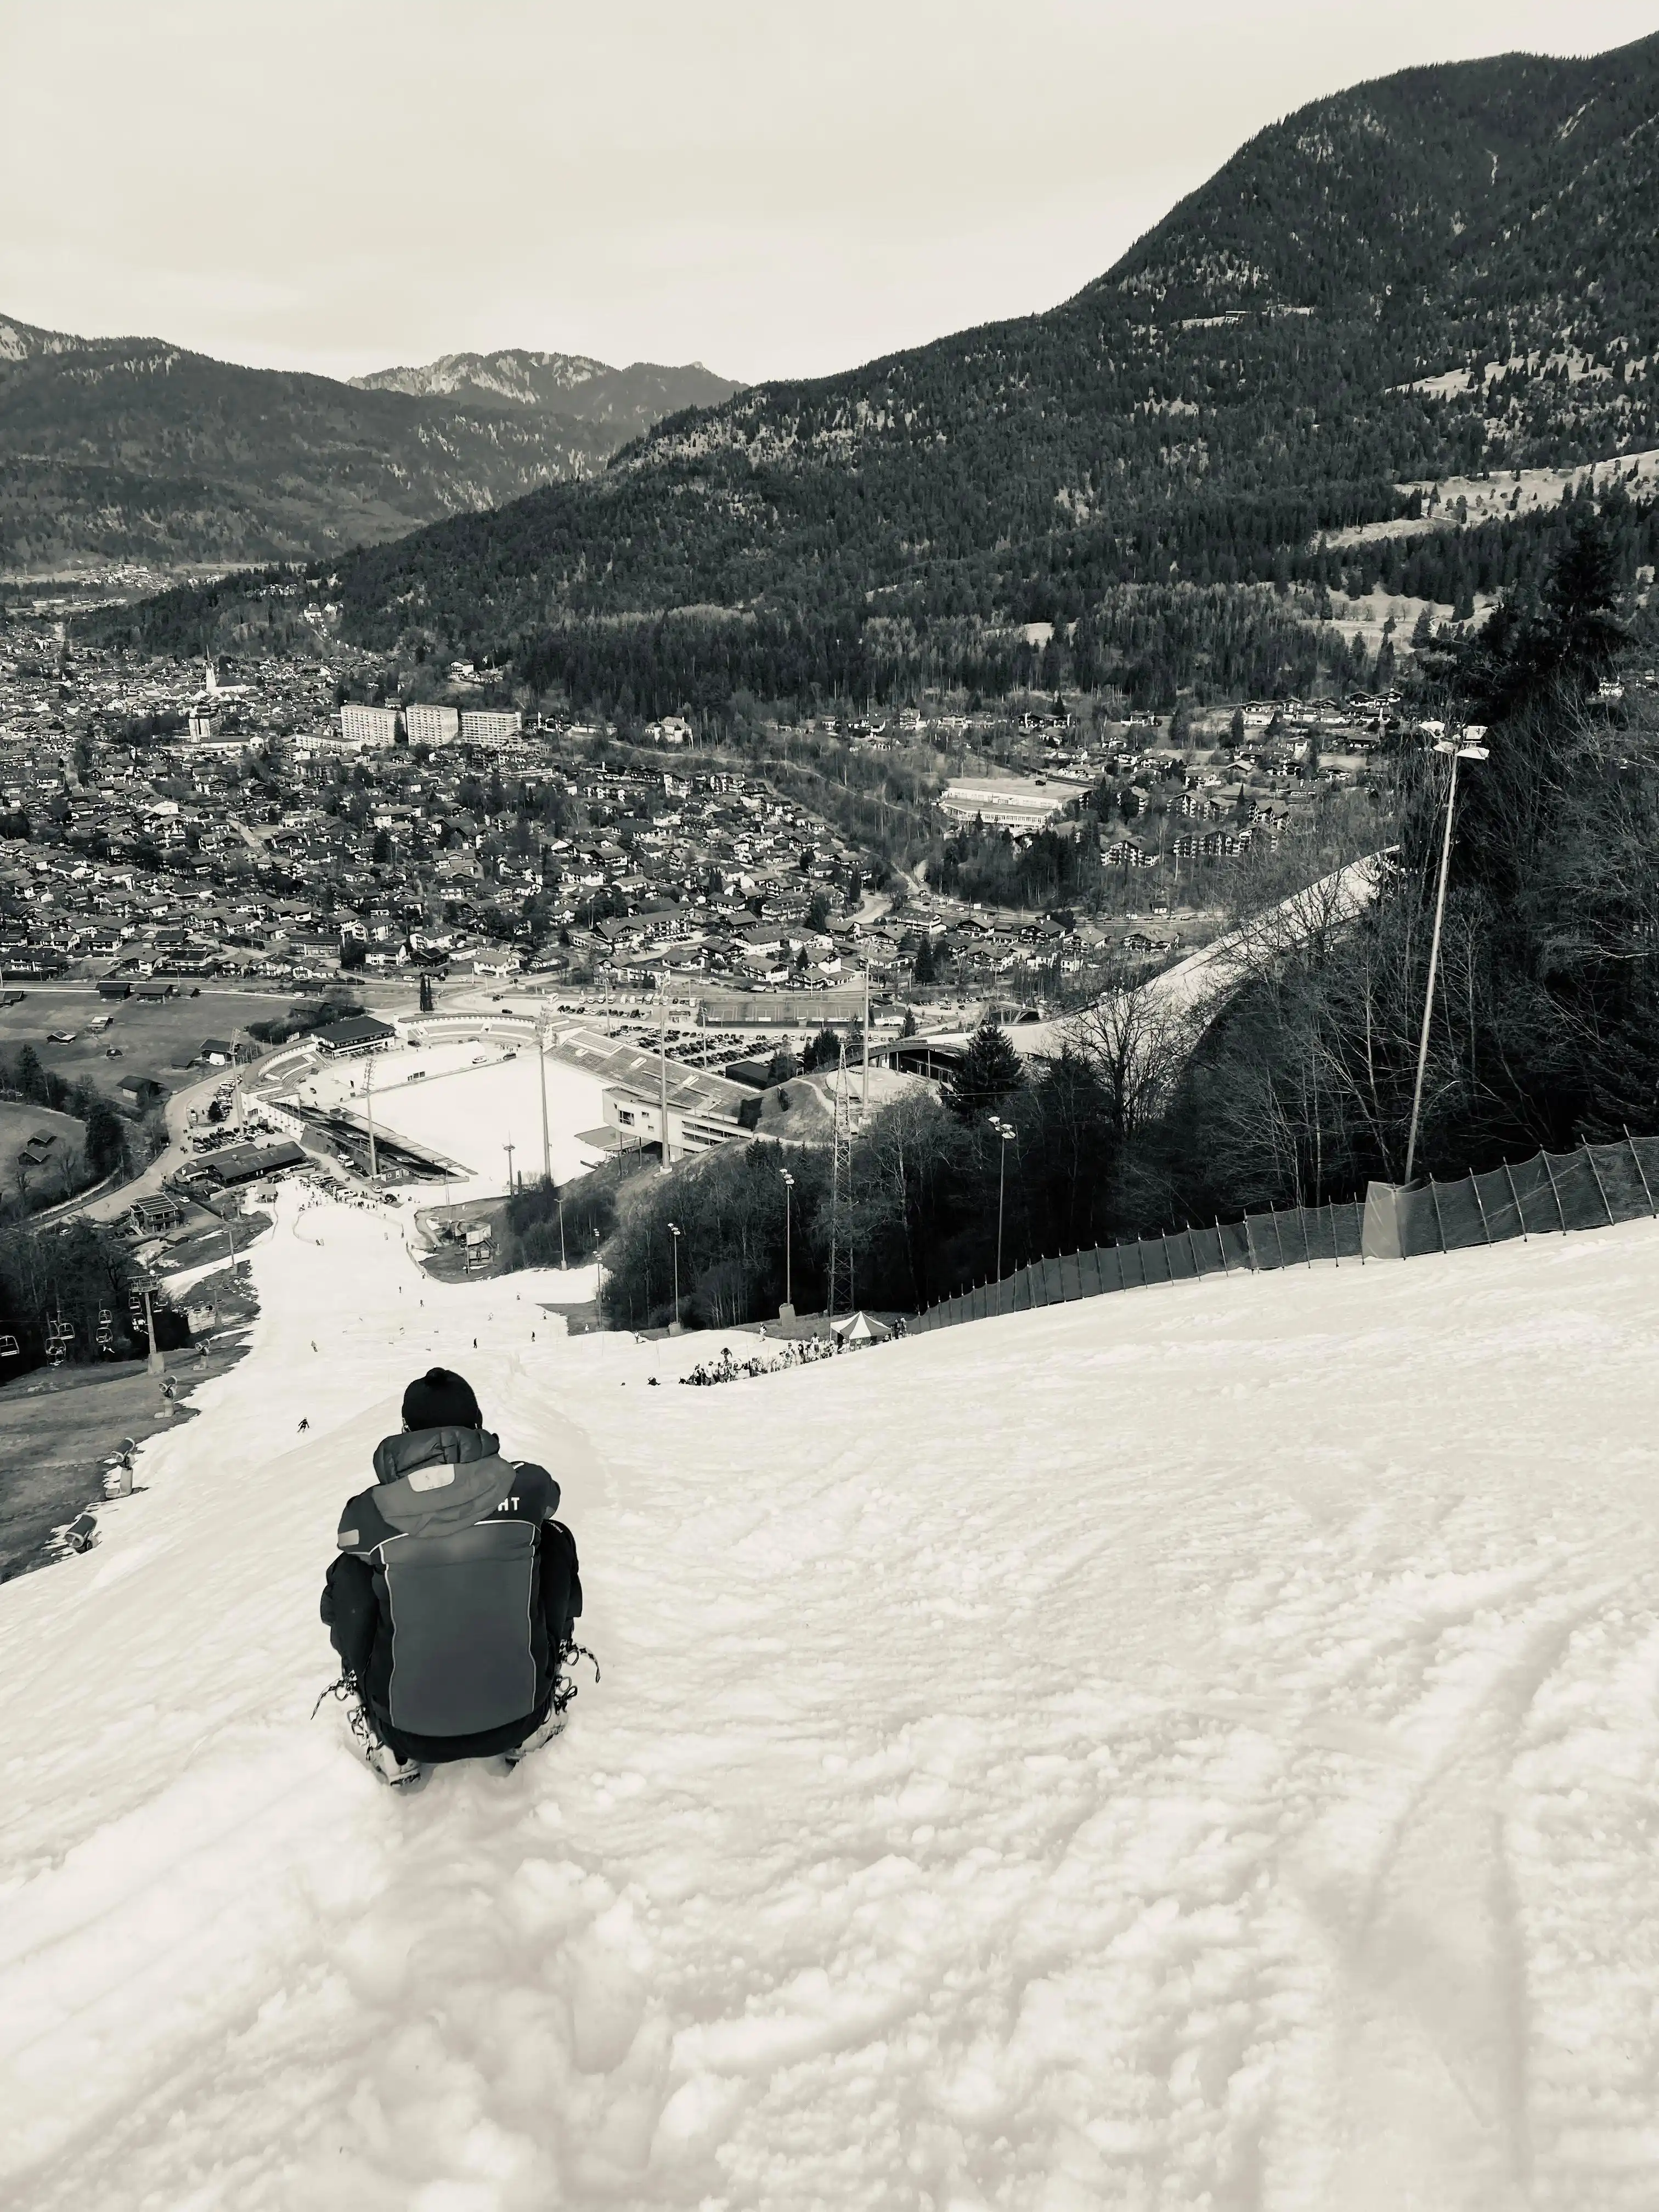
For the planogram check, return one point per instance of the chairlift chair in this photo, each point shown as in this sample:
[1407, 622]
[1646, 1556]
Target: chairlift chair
[8, 1346]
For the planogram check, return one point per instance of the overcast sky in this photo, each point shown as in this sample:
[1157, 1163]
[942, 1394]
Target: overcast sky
[770, 186]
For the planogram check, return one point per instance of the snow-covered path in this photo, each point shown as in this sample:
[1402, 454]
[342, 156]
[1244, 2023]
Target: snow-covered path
[1197, 1747]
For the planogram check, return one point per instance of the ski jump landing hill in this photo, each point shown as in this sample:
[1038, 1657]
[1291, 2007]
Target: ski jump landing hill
[1193, 990]
[1173, 1751]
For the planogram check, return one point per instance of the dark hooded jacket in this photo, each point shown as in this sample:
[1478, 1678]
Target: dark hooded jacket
[453, 1594]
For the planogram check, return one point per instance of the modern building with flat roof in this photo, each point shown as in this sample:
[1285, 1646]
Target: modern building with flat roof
[369, 725]
[1005, 805]
[489, 726]
[358, 1033]
[432, 725]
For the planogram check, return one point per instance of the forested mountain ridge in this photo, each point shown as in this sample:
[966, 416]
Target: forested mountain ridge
[133, 448]
[1455, 268]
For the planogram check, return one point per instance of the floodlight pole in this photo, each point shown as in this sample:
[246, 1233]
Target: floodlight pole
[1004, 1133]
[788, 1288]
[674, 1233]
[369, 1104]
[662, 1071]
[541, 1065]
[1468, 747]
[509, 1149]
[864, 1085]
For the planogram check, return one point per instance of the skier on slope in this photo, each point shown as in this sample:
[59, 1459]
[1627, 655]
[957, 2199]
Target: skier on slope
[454, 1593]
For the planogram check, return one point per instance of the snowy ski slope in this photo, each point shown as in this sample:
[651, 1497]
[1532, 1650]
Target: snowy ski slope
[1190, 1748]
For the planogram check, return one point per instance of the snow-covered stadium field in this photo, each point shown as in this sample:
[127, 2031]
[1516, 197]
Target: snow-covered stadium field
[467, 1102]
[1196, 1747]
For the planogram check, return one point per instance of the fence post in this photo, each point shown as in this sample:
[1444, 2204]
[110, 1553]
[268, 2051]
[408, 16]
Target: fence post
[1554, 1193]
[1226, 1264]
[1277, 1239]
[1140, 1255]
[1515, 1195]
[1439, 1225]
[1249, 1241]
[1307, 1247]
[1640, 1170]
[1192, 1251]
[1589, 1154]
[1475, 1187]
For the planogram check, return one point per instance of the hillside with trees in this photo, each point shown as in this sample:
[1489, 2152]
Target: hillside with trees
[1298, 1089]
[1454, 270]
[134, 449]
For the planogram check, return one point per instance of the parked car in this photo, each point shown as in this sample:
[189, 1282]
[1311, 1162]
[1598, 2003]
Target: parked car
[60, 1036]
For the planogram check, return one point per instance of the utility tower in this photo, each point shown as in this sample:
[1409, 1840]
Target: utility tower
[843, 1267]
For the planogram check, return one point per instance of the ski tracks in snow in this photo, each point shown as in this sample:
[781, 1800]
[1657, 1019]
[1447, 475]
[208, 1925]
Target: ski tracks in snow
[1134, 1756]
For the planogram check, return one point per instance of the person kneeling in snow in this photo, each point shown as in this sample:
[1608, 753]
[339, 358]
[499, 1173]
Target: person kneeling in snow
[454, 1593]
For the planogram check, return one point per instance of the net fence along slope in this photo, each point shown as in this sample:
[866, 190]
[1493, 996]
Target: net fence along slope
[1548, 1195]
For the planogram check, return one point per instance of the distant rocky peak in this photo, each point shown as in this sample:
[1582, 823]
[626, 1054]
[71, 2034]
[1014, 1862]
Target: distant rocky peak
[516, 373]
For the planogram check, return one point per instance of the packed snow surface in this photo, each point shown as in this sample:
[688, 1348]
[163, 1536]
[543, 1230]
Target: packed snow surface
[1195, 1747]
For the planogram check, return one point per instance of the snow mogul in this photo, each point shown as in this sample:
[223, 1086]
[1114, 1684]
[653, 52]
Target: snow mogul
[453, 1597]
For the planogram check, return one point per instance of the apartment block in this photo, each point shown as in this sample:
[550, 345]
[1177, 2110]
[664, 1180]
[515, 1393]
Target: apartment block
[369, 725]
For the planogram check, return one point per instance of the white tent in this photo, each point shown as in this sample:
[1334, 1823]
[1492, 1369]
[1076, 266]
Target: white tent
[859, 1328]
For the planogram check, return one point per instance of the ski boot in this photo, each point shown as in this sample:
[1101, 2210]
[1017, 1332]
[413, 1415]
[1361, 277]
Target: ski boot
[552, 1726]
[382, 1762]
[387, 1767]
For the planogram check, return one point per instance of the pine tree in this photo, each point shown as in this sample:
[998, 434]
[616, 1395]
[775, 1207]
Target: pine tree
[30, 1076]
[989, 1072]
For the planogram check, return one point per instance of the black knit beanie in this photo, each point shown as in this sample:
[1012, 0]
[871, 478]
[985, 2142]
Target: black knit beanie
[439, 1400]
